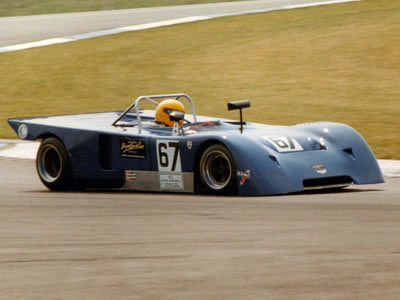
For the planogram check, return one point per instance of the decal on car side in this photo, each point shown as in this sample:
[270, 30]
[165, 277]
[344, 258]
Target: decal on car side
[244, 176]
[132, 148]
[171, 181]
[130, 175]
[284, 143]
[169, 165]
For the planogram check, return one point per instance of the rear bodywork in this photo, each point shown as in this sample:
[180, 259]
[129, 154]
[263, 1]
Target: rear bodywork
[268, 159]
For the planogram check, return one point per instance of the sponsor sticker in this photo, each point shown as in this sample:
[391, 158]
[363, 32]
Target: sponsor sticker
[132, 148]
[130, 175]
[244, 175]
[321, 169]
[171, 182]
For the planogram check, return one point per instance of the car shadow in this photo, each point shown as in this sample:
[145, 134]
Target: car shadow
[125, 192]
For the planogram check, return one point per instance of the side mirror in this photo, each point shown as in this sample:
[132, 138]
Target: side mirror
[239, 105]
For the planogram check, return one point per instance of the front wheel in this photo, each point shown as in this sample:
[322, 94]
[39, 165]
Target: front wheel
[52, 164]
[217, 170]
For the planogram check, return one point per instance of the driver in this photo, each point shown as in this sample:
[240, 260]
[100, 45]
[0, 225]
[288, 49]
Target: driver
[164, 108]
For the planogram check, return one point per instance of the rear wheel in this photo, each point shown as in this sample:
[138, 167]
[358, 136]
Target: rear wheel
[52, 164]
[217, 170]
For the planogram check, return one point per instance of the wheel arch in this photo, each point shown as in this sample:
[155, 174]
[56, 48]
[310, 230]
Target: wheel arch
[44, 136]
[47, 135]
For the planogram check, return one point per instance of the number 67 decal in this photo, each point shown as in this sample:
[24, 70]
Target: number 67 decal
[168, 157]
[284, 143]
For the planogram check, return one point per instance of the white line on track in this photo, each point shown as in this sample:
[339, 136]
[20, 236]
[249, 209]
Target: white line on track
[94, 34]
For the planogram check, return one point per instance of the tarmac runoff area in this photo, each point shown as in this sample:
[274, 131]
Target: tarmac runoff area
[27, 150]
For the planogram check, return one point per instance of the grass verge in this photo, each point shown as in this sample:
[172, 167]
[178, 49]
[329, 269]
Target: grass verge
[338, 63]
[35, 7]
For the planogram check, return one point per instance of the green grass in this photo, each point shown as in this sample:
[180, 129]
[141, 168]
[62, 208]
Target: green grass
[338, 63]
[34, 7]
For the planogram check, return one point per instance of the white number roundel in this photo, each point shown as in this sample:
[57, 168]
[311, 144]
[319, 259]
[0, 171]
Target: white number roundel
[284, 143]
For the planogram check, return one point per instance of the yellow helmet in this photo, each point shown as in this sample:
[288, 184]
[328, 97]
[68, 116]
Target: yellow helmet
[165, 107]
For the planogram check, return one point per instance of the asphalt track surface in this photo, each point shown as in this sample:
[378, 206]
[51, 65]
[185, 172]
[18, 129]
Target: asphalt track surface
[119, 245]
[18, 30]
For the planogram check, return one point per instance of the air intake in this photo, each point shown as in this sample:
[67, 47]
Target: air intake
[327, 182]
[350, 152]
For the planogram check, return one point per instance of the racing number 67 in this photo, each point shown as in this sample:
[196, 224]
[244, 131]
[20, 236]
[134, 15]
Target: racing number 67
[284, 143]
[168, 156]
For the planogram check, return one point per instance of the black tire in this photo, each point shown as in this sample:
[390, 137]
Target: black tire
[52, 165]
[217, 171]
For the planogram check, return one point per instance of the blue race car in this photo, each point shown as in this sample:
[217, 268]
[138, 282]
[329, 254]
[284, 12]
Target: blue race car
[164, 150]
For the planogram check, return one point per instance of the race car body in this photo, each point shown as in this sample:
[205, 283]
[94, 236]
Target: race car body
[128, 150]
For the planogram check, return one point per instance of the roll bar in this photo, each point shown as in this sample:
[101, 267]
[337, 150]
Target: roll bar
[152, 99]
